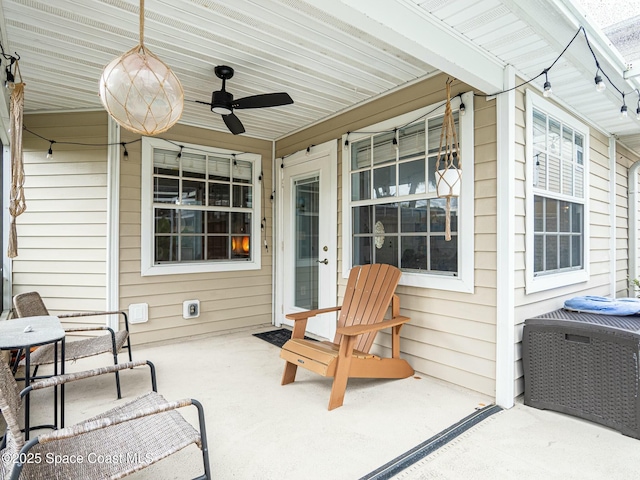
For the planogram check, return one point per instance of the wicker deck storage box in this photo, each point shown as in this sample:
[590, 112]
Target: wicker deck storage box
[586, 365]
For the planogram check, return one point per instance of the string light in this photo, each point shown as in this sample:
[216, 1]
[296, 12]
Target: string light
[50, 152]
[179, 153]
[308, 152]
[346, 141]
[10, 81]
[462, 108]
[638, 110]
[125, 154]
[600, 85]
[624, 111]
[547, 85]
[395, 139]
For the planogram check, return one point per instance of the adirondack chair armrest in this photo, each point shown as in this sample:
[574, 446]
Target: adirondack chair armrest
[311, 313]
[360, 329]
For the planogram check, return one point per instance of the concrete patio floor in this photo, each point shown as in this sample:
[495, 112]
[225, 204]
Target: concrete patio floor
[258, 429]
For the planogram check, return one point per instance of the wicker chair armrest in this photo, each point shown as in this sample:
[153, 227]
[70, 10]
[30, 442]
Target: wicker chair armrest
[71, 377]
[311, 313]
[98, 424]
[90, 314]
[86, 329]
[360, 329]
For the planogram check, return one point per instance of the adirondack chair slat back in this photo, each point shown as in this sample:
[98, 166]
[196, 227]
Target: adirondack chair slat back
[367, 297]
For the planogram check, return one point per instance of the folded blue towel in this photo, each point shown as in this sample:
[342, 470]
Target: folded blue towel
[604, 305]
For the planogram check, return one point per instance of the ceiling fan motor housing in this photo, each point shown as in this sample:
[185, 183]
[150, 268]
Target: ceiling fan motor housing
[221, 102]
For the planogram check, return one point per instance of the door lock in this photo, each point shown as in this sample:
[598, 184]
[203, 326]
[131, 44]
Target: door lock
[325, 261]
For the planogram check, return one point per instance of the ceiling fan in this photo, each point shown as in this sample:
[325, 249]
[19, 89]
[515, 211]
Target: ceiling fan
[222, 102]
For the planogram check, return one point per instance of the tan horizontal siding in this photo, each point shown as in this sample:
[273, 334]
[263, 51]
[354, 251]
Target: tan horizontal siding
[228, 300]
[62, 234]
[450, 335]
[599, 182]
[624, 160]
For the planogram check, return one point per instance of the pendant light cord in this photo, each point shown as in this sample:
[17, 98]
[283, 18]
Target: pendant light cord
[142, 23]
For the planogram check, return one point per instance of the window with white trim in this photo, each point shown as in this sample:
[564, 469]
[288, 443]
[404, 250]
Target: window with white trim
[558, 148]
[392, 213]
[200, 209]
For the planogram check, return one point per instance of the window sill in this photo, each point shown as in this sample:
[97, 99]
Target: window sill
[436, 282]
[552, 281]
[187, 268]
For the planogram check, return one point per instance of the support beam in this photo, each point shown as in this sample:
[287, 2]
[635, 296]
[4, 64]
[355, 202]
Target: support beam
[411, 29]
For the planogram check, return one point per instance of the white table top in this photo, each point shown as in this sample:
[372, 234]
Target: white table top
[44, 329]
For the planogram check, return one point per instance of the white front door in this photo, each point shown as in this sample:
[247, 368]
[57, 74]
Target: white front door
[307, 259]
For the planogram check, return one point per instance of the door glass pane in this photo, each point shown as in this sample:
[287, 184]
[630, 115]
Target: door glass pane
[306, 195]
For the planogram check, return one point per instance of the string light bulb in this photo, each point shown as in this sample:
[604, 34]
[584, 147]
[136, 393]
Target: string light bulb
[10, 81]
[600, 85]
[638, 111]
[462, 107]
[547, 86]
[125, 154]
[395, 139]
[346, 141]
[624, 111]
[50, 152]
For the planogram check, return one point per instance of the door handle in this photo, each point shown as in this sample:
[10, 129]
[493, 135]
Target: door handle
[325, 261]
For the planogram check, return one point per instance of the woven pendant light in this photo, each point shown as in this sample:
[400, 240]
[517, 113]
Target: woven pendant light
[449, 162]
[140, 91]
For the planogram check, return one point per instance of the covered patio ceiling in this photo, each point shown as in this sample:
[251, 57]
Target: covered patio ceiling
[329, 55]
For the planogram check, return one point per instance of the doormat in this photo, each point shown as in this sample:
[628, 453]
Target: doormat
[429, 446]
[277, 337]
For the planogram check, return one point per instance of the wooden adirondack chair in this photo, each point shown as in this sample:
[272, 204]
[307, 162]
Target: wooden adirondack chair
[370, 291]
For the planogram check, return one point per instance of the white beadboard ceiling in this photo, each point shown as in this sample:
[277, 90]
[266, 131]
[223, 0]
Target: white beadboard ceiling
[329, 55]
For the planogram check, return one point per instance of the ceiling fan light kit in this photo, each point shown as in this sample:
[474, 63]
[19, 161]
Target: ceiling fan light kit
[140, 91]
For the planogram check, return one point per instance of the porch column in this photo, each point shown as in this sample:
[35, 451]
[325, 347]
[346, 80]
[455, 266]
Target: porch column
[113, 223]
[505, 301]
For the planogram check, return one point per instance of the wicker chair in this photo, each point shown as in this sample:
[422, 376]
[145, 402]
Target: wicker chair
[30, 304]
[112, 445]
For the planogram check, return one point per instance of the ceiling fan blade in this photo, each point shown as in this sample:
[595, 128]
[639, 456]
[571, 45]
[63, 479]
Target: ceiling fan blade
[233, 123]
[264, 100]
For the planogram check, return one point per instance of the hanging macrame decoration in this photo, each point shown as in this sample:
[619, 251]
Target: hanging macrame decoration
[17, 202]
[140, 91]
[449, 162]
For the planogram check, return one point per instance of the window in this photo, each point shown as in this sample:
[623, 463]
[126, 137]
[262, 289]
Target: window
[199, 209]
[557, 147]
[392, 212]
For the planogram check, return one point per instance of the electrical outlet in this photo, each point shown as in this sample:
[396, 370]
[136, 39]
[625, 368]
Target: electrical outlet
[191, 308]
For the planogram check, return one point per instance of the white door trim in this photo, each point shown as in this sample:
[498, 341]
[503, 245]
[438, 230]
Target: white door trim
[329, 149]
